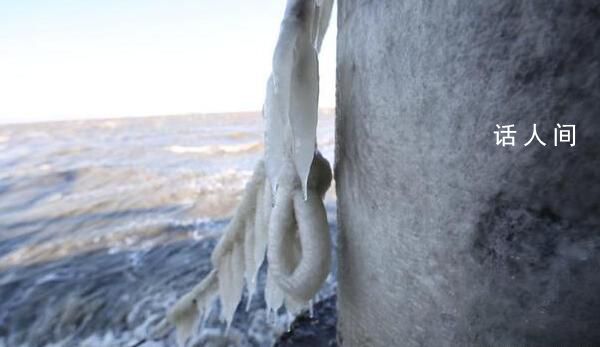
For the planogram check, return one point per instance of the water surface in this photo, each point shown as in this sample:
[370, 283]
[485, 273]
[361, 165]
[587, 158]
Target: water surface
[104, 223]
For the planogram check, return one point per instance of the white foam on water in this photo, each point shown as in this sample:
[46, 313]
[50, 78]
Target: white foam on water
[216, 149]
[132, 235]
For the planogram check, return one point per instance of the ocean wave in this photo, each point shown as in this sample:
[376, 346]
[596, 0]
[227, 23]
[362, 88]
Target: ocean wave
[103, 224]
[108, 124]
[217, 149]
[133, 235]
[237, 135]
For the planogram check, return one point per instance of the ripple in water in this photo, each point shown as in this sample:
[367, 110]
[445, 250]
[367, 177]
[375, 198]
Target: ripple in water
[103, 224]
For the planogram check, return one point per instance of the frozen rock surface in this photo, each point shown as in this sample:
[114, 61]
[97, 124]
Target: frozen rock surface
[445, 238]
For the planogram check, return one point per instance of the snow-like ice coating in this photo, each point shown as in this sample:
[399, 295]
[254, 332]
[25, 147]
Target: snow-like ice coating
[281, 213]
[291, 106]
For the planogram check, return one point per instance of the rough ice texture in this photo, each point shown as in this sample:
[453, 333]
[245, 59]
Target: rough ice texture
[291, 106]
[298, 243]
[236, 260]
[446, 239]
[282, 209]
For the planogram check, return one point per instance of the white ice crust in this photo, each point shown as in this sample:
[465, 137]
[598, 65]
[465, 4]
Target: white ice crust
[281, 215]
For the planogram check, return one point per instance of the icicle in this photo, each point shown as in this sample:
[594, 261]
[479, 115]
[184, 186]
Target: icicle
[225, 287]
[274, 297]
[231, 282]
[304, 110]
[275, 114]
[185, 327]
[186, 312]
[293, 89]
[237, 274]
[292, 232]
[250, 268]
[304, 87]
[261, 227]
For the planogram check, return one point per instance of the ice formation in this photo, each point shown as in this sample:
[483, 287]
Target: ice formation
[281, 214]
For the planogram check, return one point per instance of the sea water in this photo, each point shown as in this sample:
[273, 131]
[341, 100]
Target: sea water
[104, 223]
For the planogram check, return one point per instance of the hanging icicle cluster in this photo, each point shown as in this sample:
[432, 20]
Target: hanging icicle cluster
[281, 214]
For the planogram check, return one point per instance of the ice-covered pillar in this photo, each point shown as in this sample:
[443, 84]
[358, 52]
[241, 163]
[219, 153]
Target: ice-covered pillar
[447, 239]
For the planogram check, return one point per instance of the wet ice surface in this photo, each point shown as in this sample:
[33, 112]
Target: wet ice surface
[103, 224]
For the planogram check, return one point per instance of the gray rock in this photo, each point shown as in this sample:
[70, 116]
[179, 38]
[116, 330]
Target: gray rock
[446, 238]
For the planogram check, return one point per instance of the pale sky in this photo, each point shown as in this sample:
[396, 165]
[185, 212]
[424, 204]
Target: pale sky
[76, 59]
